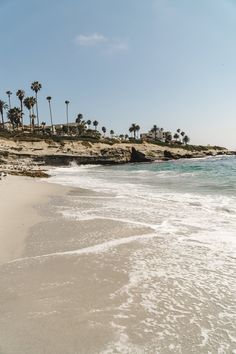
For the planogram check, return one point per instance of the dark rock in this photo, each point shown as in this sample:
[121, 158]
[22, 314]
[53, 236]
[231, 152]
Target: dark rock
[138, 156]
[169, 155]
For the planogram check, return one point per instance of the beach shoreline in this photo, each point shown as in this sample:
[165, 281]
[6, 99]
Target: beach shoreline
[58, 278]
[22, 156]
[116, 260]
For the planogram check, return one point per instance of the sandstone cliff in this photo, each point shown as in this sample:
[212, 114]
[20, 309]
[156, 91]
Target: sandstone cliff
[36, 152]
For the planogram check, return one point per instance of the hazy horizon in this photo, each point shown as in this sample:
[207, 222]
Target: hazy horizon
[163, 62]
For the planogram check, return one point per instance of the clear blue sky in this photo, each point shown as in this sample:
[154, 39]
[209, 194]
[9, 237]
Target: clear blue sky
[165, 62]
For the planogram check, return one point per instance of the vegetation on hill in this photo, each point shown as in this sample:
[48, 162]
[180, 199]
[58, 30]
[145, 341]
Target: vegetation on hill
[15, 124]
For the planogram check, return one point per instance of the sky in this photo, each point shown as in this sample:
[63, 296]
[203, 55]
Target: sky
[166, 62]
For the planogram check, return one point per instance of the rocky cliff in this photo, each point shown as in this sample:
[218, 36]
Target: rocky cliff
[37, 152]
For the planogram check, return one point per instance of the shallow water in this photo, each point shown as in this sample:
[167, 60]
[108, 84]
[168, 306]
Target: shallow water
[180, 296]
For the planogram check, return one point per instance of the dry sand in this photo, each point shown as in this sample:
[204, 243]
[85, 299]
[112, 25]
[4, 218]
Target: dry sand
[17, 213]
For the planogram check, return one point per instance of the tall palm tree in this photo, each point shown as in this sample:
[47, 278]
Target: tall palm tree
[155, 130]
[67, 115]
[49, 98]
[3, 106]
[9, 93]
[95, 124]
[178, 130]
[21, 94]
[134, 128]
[88, 123]
[29, 103]
[112, 133]
[104, 129]
[36, 87]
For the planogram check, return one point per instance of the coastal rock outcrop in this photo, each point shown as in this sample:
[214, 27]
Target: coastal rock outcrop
[20, 155]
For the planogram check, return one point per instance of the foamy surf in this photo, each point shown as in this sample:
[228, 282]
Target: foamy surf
[180, 294]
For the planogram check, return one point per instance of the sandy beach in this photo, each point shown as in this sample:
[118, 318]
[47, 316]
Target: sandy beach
[58, 277]
[116, 266]
[19, 196]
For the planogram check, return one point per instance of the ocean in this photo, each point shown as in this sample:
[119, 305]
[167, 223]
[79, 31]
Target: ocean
[179, 295]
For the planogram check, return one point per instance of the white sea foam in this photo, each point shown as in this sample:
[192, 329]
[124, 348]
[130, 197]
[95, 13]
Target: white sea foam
[99, 248]
[181, 287]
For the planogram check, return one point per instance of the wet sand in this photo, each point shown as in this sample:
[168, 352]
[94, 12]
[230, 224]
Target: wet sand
[81, 279]
[59, 277]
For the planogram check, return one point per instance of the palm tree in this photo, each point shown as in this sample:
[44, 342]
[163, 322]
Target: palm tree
[33, 117]
[168, 137]
[79, 118]
[3, 106]
[126, 136]
[88, 123]
[9, 93]
[14, 116]
[182, 134]
[176, 136]
[104, 129]
[137, 129]
[29, 103]
[81, 127]
[112, 133]
[155, 130]
[21, 94]
[134, 128]
[178, 130]
[36, 87]
[67, 115]
[43, 125]
[95, 124]
[49, 98]
[186, 139]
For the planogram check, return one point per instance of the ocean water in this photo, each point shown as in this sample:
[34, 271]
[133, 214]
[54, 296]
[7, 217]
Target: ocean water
[180, 296]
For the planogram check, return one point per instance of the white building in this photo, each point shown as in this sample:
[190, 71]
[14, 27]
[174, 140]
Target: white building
[151, 135]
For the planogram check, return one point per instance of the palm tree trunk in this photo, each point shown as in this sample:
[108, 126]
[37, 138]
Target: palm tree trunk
[67, 119]
[37, 110]
[30, 117]
[21, 107]
[9, 99]
[50, 110]
[2, 120]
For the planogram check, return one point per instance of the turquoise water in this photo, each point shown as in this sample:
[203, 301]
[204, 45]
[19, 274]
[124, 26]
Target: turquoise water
[181, 288]
[212, 175]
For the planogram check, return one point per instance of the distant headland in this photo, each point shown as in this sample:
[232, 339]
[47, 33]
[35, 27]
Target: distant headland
[26, 145]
